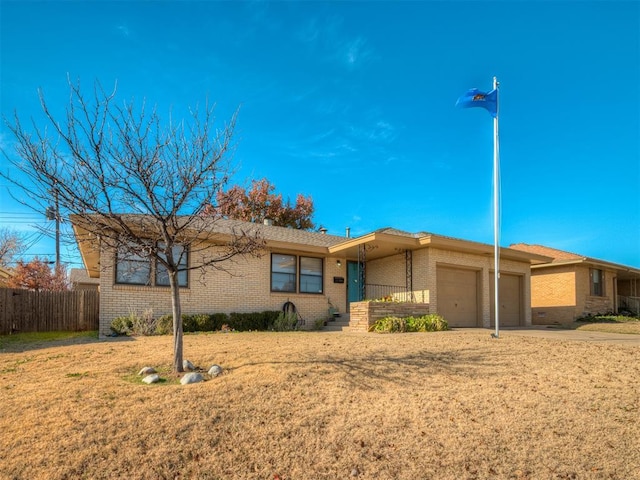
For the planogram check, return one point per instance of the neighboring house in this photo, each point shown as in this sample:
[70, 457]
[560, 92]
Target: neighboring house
[320, 272]
[573, 286]
[5, 275]
[80, 280]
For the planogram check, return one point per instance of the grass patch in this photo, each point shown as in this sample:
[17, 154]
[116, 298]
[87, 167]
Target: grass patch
[39, 337]
[608, 324]
[608, 319]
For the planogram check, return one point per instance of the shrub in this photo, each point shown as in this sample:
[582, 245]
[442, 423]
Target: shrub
[425, 323]
[143, 324]
[189, 323]
[134, 324]
[389, 325]
[608, 318]
[122, 325]
[216, 320]
[270, 318]
[164, 325]
[285, 322]
[205, 322]
[319, 323]
[252, 321]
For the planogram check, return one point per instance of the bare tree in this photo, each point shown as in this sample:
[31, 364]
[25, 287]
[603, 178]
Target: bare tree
[137, 185]
[11, 244]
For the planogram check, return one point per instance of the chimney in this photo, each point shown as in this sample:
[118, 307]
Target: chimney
[268, 221]
[348, 232]
[323, 231]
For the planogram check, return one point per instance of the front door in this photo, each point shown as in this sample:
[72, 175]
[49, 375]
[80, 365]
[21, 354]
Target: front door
[354, 286]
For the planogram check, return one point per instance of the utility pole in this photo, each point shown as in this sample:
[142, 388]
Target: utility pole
[53, 213]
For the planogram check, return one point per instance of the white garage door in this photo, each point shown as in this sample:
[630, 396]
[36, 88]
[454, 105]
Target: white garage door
[458, 296]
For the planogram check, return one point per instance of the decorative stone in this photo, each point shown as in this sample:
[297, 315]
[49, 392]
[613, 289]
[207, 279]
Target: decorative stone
[193, 377]
[187, 365]
[149, 379]
[215, 370]
[147, 371]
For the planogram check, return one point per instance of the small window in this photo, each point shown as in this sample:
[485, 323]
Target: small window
[283, 273]
[310, 275]
[132, 268]
[597, 282]
[180, 256]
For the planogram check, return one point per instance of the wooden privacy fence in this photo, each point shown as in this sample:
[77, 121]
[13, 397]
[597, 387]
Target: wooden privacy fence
[27, 311]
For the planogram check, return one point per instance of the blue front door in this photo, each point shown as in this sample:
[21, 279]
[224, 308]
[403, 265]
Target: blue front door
[355, 288]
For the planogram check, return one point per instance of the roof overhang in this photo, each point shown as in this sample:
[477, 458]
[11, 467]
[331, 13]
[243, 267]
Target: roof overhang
[622, 271]
[89, 246]
[381, 244]
[377, 245]
[89, 241]
[466, 246]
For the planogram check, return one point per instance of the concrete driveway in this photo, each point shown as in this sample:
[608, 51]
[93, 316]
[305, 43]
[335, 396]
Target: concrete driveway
[571, 335]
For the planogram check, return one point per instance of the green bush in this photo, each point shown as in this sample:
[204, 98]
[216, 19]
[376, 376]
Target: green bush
[164, 325]
[189, 323]
[216, 320]
[389, 325]
[122, 325]
[243, 322]
[134, 324]
[608, 318]
[425, 323]
[285, 322]
[319, 323]
[200, 322]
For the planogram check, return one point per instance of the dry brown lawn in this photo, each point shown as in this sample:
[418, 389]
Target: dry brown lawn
[446, 405]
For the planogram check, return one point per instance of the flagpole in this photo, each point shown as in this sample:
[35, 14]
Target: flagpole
[496, 211]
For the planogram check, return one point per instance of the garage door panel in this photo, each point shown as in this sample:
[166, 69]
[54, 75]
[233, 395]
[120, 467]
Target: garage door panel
[458, 296]
[510, 300]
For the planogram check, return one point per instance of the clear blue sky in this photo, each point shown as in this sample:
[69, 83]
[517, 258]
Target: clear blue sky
[353, 103]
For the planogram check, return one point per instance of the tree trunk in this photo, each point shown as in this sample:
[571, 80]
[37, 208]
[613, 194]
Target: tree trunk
[177, 322]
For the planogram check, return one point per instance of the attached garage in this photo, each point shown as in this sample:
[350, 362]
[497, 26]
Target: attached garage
[510, 298]
[458, 296]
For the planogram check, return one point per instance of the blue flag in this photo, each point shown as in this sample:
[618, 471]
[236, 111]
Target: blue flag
[476, 98]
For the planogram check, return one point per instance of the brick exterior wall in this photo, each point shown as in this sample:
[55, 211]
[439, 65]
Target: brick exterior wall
[387, 271]
[553, 294]
[588, 304]
[245, 288]
[392, 271]
[424, 268]
[562, 293]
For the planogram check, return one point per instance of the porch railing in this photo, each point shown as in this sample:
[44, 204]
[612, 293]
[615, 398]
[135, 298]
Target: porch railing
[375, 291]
[630, 304]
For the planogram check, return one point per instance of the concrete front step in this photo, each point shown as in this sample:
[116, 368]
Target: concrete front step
[336, 328]
[339, 324]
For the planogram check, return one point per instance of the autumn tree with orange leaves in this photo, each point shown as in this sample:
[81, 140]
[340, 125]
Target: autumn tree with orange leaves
[36, 275]
[260, 203]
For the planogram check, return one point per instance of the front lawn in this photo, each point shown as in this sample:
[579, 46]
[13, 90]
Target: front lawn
[315, 405]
